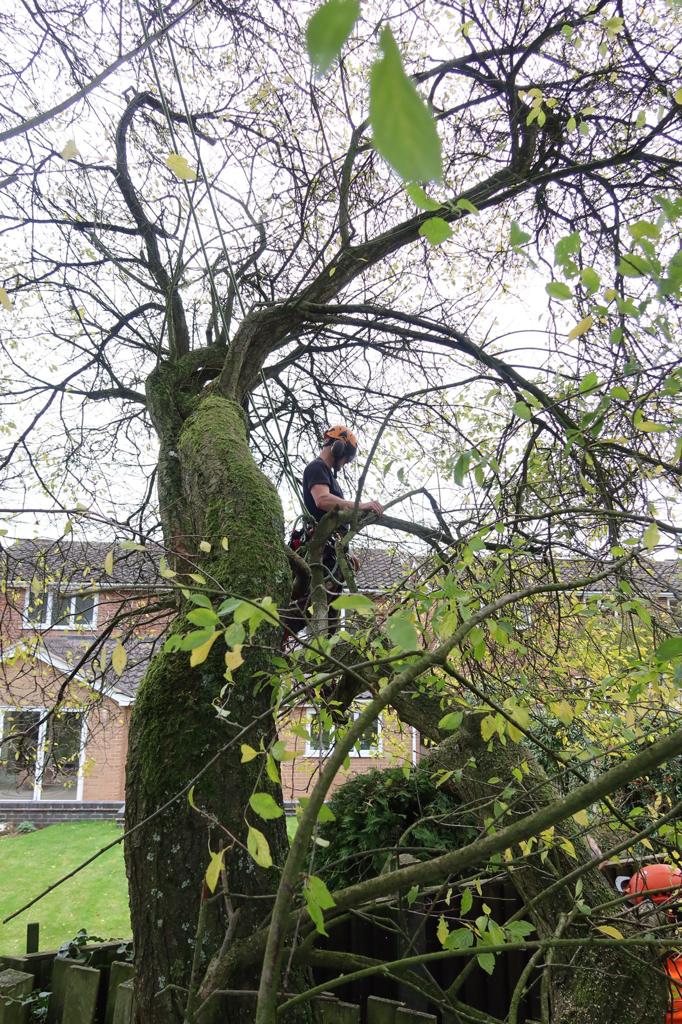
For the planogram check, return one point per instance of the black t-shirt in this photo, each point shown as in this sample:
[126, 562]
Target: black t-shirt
[318, 472]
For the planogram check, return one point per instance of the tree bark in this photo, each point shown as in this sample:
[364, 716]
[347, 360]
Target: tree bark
[209, 488]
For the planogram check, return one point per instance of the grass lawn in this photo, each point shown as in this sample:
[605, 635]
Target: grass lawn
[96, 899]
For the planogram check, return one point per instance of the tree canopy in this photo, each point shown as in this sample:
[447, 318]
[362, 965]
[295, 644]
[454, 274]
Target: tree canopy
[459, 234]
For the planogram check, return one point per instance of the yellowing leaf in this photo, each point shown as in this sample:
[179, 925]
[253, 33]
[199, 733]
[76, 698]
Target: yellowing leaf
[258, 847]
[609, 930]
[5, 300]
[563, 711]
[200, 654]
[180, 168]
[225, 544]
[581, 817]
[164, 569]
[109, 563]
[119, 658]
[678, 96]
[233, 659]
[582, 327]
[204, 546]
[70, 151]
[214, 868]
[248, 753]
[442, 931]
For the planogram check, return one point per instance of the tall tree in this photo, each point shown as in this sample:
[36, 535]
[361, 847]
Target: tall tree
[216, 259]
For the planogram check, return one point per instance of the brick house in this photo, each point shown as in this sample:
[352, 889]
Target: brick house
[64, 610]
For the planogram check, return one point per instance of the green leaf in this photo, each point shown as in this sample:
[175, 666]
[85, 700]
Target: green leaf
[522, 410]
[319, 893]
[460, 938]
[632, 265]
[412, 895]
[420, 198]
[328, 30]
[669, 649]
[467, 902]
[203, 617]
[234, 634]
[558, 290]
[280, 753]
[316, 914]
[640, 422]
[516, 235]
[325, 814]
[435, 230]
[200, 599]
[466, 205]
[519, 929]
[651, 536]
[590, 278]
[644, 229]
[566, 247]
[258, 847]
[272, 770]
[403, 128]
[486, 961]
[589, 382]
[461, 468]
[618, 391]
[402, 632]
[355, 603]
[265, 806]
[451, 721]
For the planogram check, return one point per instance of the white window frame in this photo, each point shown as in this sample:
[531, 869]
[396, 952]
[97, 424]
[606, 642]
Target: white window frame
[312, 751]
[46, 622]
[40, 751]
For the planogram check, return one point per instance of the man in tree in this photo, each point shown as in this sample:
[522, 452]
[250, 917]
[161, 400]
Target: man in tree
[321, 494]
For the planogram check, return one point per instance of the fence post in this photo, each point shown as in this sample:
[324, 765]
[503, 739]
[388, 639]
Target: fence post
[61, 968]
[123, 1014]
[32, 937]
[332, 1011]
[407, 1016]
[14, 985]
[80, 1000]
[381, 1011]
[119, 972]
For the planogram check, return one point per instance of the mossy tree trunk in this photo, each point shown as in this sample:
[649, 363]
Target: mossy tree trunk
[209, 488]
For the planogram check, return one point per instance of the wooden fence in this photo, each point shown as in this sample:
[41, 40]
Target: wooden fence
[83, 995]
[97, 987]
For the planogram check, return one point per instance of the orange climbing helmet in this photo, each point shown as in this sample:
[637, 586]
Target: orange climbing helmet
[343, 443]
[644, 883]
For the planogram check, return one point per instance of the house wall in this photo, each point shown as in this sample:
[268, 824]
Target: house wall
[300, 775]
[30, 683]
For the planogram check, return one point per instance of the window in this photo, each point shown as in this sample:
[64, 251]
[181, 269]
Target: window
[43, 759]
[52, 609]
[322, 736]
